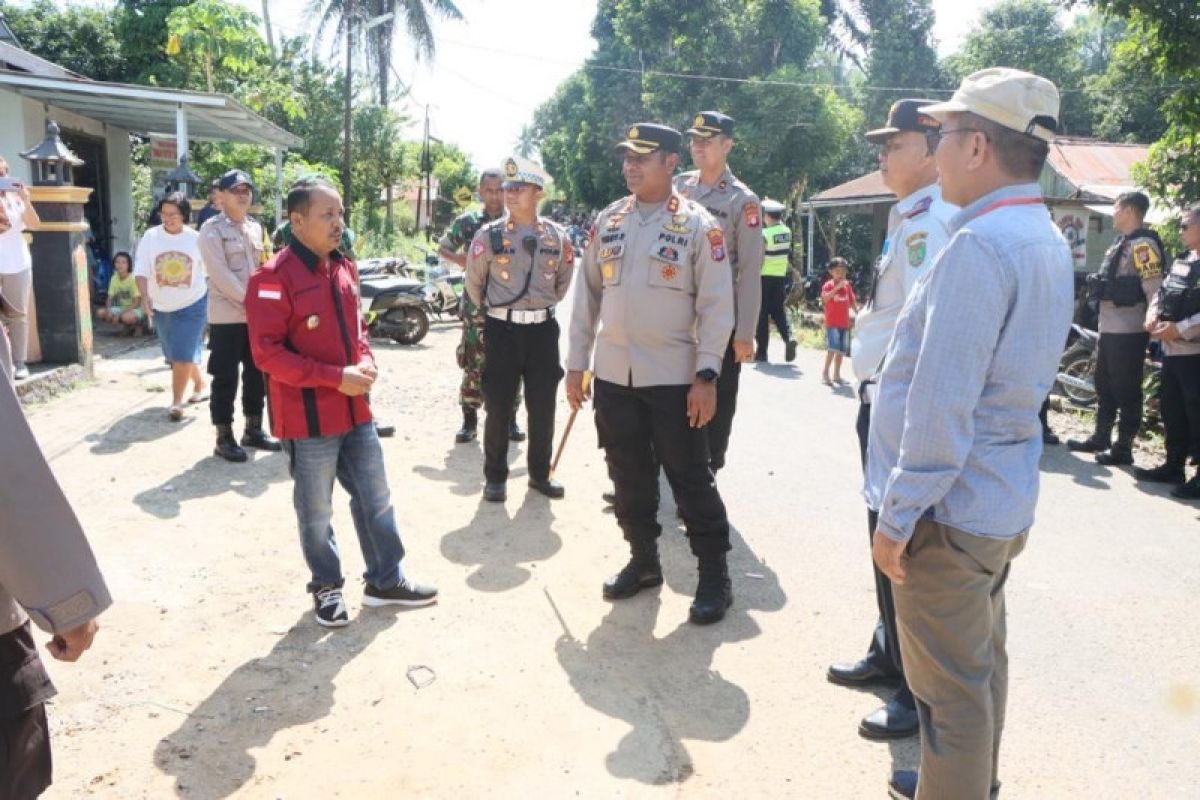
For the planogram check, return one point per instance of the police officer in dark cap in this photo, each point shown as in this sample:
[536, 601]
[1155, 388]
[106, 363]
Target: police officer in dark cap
[655, 302]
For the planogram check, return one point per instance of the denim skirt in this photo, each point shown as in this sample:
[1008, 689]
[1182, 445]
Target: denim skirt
[181, 333]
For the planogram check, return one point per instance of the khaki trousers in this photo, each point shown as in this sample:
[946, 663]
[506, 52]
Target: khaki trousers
[950, 614]
[16, 289]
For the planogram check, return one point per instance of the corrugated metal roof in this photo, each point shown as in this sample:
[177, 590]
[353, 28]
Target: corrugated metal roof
[1093, 169]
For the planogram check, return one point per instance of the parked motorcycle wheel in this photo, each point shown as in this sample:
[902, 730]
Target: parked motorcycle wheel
[407, 325]
[1079, 368]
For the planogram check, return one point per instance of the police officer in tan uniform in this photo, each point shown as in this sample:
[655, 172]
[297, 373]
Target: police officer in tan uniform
[738, 211]
[518, 268]
[47, 573]
[655, 300]
[233, 247]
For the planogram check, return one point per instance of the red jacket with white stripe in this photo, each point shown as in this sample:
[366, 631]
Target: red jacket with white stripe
[305, 327]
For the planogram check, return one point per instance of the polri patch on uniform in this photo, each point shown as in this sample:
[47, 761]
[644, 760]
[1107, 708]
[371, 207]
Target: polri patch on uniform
[477, 249]
[750, 213]
[669, 253]
[1146, 259]
[916, 249]
[716, 244]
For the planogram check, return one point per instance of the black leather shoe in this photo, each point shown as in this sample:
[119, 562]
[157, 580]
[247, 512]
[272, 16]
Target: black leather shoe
[860, 673]
[714, 592]
[515, 434]
[549, 487]
[1189, 491]
[891, 721]
[1117, 456]
[1050, 437]
[1088, 445]
[470, 423]
[384, 430]
[640, 573]
[903, 785]
[610, 498]
[760, 357]
[495, 492]
[1163, 473]
[227, 447]
[790, 354]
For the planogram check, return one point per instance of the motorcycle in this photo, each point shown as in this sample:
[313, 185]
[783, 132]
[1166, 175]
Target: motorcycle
[393, 304]
[1076, 379]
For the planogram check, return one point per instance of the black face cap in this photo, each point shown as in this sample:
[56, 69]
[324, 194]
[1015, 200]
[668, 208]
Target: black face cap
[905, 115]
[234, 178]
[650, 137]
[708, 124]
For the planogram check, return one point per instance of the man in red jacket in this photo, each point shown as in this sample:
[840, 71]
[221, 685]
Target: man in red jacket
[308, 338]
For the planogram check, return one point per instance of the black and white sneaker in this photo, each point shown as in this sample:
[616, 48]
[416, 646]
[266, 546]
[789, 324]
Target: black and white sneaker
[406, 593]
[330, 607]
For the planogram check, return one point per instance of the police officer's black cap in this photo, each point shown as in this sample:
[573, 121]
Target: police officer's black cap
[650, 137]
[708, 124]
[905, 115]
[234, 178]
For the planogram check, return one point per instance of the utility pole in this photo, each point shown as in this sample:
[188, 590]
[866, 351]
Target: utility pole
[347, 124]
[427, 163]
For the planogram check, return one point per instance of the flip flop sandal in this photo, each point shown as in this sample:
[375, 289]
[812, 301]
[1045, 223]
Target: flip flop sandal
[175, 413]
[199, 397]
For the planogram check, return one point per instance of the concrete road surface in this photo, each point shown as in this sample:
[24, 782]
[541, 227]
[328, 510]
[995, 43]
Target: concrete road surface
[209, 678]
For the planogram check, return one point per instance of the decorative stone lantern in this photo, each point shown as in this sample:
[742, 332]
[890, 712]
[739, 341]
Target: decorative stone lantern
[52, 161]
[182, 179]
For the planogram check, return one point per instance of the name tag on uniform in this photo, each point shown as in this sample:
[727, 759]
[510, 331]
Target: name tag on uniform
[1181, 268]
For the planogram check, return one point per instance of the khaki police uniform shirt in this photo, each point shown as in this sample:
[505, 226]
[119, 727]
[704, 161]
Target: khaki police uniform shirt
[1139, 256]
[739, 213]
[659, 288]
[46, 565]
[232, 252]
[502, 275]
[918, 229]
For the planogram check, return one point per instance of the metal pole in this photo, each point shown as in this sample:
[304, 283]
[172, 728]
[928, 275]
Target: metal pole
[181, 132]
[278, 186]
[347, 124]
[428, 164]
[812, 220]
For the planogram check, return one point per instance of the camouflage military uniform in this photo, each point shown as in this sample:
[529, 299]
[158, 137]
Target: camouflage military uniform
[470, 348]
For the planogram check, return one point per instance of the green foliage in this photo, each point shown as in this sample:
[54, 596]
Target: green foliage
[80, 38]
[211, 35]
[901, 60]
[139, 28]
[786, 133]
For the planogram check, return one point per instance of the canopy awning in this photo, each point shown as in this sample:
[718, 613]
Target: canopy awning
[153, 110]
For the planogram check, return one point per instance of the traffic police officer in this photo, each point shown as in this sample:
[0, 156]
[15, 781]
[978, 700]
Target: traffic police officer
[1174, 319]
[737, 210]
[453, 247]
[1131, 275]
[656, 283]
[918, 229]
[518, 268]
[777, 239]
[233, 247]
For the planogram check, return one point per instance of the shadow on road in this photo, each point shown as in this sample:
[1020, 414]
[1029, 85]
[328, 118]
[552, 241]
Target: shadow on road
[787, 371]
[665, 688]
[140, 427]
[500, 546]
[1084, 470]
[210, 753]
[462, 467]
[212, 477]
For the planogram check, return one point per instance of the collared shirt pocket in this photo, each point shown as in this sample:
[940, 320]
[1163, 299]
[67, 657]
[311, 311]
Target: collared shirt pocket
[610, 258]
[670, 269]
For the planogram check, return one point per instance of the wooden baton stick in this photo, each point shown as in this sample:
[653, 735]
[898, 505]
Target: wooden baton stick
[562, 443]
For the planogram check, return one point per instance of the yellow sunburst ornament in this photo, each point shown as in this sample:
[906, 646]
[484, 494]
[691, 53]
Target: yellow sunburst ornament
[698, 121]
[634, 133]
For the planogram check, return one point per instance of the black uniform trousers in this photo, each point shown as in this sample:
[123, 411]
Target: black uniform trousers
[721, 425]
[774, 295]
[230, 346]
[1179, 403]
[1119, 359]
[514, 353]
[24, 736]
[641, 428]
[884, 650]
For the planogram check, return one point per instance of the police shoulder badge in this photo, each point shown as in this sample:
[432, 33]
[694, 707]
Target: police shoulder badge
[916, 249]
[750, 214]
[716, 244]
[1147, 261]
[477, 248]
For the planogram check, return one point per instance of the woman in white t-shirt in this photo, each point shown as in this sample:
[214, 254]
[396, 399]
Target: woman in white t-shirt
[170, 276]
[16, 274]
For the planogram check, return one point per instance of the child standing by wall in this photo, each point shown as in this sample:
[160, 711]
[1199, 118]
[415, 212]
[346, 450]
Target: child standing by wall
[837, 296]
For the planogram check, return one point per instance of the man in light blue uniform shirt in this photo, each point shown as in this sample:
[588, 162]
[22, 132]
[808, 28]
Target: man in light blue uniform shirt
[952, 459]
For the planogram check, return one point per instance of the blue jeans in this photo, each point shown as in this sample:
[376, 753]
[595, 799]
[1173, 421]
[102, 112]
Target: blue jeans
[356, 460]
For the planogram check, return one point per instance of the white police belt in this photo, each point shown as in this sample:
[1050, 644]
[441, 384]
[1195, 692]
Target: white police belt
[530, 317]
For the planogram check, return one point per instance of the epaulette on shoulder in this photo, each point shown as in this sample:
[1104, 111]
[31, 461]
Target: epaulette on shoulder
[922, 207]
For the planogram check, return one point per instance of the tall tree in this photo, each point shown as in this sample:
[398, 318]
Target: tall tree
[901, 57]
[80, 38]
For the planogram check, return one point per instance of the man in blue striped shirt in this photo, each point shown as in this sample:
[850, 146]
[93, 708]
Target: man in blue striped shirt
[952, 465]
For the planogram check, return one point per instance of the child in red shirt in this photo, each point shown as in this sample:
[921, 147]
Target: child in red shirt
[837, 295]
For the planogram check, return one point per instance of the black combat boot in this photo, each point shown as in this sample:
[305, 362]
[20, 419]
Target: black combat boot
[1170, 472]
[1092, 444]
[714, 591]
[470, 422]
[1189, 490]
[642, 572]
[515, 434]
[1119, 455]
[254, 436]
[227, 447]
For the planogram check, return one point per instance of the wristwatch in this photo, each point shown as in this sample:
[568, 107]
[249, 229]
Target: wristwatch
[707, 375]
